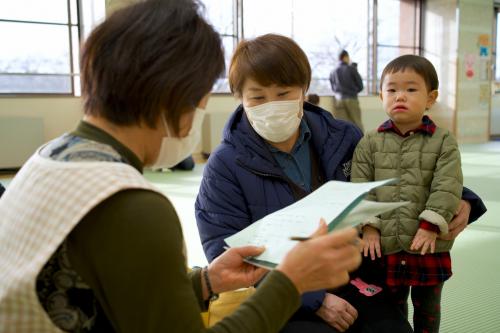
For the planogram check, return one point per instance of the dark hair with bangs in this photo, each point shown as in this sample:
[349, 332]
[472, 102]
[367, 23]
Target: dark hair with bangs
[152, 58]
[269, 59]
[420, 65]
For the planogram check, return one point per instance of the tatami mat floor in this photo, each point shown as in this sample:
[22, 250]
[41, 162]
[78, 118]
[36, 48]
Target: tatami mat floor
[471, 298]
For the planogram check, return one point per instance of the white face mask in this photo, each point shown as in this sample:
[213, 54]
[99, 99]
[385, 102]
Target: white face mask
[275, 121]
[174, 150]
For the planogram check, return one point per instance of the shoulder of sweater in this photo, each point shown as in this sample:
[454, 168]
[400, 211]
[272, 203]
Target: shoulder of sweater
[135, 207]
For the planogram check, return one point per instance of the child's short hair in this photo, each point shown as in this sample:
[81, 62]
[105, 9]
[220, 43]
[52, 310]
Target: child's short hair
[269, 59]
[420, 65]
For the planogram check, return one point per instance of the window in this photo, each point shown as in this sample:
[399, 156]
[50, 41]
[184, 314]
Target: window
[495, 53]
[222, 14]
[40, 39]
[398, 31]
[40, 45]
[321, 27]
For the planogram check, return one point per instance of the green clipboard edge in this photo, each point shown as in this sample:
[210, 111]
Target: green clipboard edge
[260, 263]
[331, 226]
[352, 205]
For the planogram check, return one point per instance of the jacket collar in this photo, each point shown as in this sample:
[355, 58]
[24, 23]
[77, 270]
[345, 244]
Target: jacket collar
[427, 127]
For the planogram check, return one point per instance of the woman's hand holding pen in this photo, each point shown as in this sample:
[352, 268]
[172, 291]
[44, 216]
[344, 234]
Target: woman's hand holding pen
[229, 271]
[324, 260]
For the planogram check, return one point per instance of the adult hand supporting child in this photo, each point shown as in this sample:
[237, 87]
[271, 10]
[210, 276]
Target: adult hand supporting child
[459, 221]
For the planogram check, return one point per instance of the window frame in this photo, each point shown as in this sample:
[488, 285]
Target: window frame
[237, 32]
[494, 48]
[237, 35]
[371, 79]
[372, 44]
[72, 74]
[418, 34]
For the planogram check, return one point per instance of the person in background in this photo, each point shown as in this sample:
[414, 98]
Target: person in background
[313, 99]
[426, 160]
[186, 164]
[346, 83]
[88, 245]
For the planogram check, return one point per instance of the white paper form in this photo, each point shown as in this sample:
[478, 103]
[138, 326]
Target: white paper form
[341, 204]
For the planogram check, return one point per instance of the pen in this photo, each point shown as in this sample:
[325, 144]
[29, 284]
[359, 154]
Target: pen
[301, 239]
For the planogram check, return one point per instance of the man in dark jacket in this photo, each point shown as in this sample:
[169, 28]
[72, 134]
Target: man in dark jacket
[346, 84]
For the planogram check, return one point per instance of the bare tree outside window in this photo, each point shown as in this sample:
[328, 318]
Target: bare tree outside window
[40, 39]
[40, 45]
[323, 28]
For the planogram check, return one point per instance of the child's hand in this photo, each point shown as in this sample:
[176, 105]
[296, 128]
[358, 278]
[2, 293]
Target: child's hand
[424, 239]
[371, 238]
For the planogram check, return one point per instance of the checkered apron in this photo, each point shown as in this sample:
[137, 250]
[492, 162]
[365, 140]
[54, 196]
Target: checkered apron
[41, 206]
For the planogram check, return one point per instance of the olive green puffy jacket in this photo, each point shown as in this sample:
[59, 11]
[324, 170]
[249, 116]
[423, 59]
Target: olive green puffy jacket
[430, 176]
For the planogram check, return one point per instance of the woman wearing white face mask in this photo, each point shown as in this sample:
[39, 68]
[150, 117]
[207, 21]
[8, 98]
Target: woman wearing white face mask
[88, 245]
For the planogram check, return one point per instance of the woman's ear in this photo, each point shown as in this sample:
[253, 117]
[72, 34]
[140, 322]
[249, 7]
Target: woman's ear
[238, 96]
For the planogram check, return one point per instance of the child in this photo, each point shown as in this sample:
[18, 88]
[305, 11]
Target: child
[426, 160]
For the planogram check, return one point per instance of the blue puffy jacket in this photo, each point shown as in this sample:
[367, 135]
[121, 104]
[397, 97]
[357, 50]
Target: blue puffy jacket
[242, 182]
